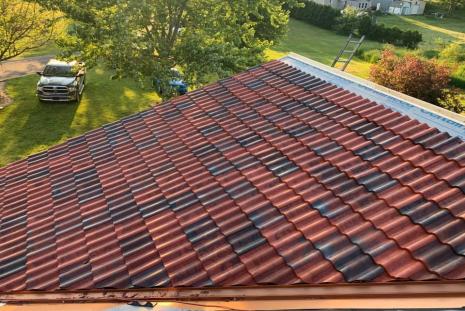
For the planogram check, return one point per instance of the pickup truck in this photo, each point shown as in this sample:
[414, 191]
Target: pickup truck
[61, 81]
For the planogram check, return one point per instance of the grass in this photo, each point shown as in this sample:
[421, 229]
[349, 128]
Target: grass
[436, 32]
[28, 127]
[321, 45]
[49, 49]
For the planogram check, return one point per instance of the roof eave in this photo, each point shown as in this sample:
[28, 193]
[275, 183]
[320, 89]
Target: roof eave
[324, 291]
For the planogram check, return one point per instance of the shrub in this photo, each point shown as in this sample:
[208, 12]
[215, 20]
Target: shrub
[429, 54]
[451, 100]
[316, 14]
[348, 22]
[366, 25]
[371, 56]
[392, 35]
[454, 53]
[410, 38]
[432, 7]
[458, 77]
[423, 79]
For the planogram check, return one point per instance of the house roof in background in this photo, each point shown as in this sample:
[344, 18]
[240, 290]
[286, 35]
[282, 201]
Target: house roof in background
[271, 177]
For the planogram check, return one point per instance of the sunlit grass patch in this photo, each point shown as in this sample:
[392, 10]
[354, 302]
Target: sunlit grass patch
[28, 126]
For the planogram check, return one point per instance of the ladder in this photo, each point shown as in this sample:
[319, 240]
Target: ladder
[345, 50]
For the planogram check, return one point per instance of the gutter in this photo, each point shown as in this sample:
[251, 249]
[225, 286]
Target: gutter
[380, 292]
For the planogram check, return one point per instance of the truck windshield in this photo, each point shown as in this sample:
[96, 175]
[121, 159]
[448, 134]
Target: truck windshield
[59, 71]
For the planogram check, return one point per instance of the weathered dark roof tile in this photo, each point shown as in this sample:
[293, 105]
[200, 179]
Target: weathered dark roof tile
[272, 176]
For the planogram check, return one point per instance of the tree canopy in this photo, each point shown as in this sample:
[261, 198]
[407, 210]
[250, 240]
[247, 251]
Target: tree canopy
[146, 38]
[453, 4]
[24, 26]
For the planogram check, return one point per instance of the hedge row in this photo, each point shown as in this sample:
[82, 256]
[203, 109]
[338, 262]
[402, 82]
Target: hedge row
[327, 17]
[393, 35]
[322, 16]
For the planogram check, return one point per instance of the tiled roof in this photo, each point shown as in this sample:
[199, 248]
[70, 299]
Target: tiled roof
[272, 176]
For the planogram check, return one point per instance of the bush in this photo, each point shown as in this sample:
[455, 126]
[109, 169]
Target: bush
[452, 101]
[392, 35]
[410, 39]
[454, 53]
[370, 56]
[430, 54]
[316, 14]
[366, 25]
[423, 79]
[348, 22]
[432, 7]
[458, 77]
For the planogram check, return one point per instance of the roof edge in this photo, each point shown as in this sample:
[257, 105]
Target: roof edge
[442, 119]
[325, 291]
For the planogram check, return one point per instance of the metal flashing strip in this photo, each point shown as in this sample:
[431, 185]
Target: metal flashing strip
[435, 116]
[397, 290]
[422, 304]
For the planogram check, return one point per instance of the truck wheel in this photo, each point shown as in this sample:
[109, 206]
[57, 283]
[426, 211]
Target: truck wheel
[78, 97]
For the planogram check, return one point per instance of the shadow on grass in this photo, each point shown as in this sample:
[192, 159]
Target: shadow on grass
[319, 44]
[28, 126]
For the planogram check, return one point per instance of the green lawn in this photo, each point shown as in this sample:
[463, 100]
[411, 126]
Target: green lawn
[27, 126]
[48, 49]
[321, 45]
[436, 32]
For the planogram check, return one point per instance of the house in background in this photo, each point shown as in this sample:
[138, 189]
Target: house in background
[358, 4]
[337, 4]
[342, 4]
[398, 7]
[407, 7]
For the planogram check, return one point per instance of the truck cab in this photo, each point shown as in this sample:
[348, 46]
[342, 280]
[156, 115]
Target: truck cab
[61, 81]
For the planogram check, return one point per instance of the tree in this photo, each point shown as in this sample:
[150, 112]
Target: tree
[349, 21]
[420, 78]
[146, 38]
[23, 26]
[452, 5]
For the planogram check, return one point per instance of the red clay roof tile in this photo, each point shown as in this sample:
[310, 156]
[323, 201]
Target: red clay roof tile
[272, 176]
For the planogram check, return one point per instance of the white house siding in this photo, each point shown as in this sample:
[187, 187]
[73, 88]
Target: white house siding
[414, 7]
[360, 5]
[403, 7]
[383, 5]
